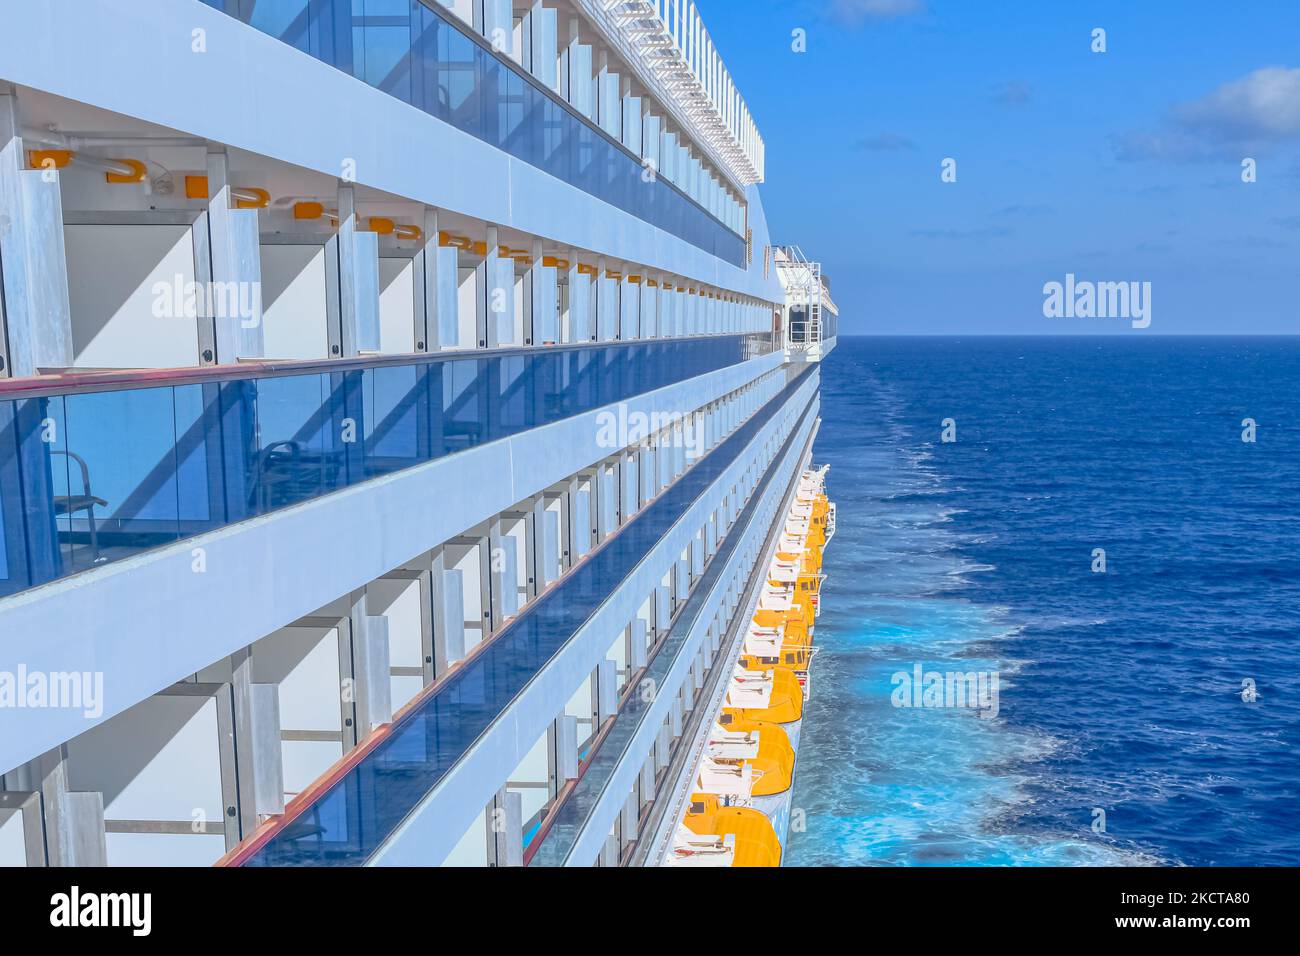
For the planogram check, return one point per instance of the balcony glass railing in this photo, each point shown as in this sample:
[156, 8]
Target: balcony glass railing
[349, 821]
[95, 467]
[410, 50]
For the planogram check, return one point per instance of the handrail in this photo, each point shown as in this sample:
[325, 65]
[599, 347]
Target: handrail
[111, 380]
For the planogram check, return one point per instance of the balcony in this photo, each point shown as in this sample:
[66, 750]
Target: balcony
[430, 61]
[97, 467]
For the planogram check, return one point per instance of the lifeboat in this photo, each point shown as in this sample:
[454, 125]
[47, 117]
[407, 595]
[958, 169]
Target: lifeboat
[775, 695]
[740, 836]
[763, 746]
[778, 605]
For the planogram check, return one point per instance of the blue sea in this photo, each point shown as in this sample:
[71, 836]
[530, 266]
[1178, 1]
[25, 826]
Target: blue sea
[1121, 734]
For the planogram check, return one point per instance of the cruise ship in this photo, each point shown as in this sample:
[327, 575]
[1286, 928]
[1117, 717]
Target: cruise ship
[406, 439]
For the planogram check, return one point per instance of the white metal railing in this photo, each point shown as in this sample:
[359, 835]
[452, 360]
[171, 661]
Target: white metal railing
[666, 43]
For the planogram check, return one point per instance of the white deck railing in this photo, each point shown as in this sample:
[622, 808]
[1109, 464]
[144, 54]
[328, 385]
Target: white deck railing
[666, 44]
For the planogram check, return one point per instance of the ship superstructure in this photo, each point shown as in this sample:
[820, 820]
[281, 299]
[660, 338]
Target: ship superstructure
[398, 403]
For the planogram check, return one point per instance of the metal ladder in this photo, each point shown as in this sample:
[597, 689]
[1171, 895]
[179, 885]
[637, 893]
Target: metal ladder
[815, 305]
[806, 285]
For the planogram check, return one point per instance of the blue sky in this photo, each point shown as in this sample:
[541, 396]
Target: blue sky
[1115, 166]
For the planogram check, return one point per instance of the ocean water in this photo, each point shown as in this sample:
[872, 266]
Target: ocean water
[1120, 694]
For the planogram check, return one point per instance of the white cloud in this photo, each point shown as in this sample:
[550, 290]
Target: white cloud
[1243, 116]
[1264, 104]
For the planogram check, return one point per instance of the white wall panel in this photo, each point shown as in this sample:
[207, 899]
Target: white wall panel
[294, 302]
[396, 305]
[117, 275]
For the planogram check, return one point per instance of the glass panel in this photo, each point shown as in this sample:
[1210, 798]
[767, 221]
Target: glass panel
[463, 424]
[425, 32]
[513, 397]
[585, 158]
[384, 41]
[286, 20]
[459, 81]
[293, 459]
[31, 552]
[532, 115]
[118, 493]
[556, 142]
[199, 492]
[494, 90]
[396, 400]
